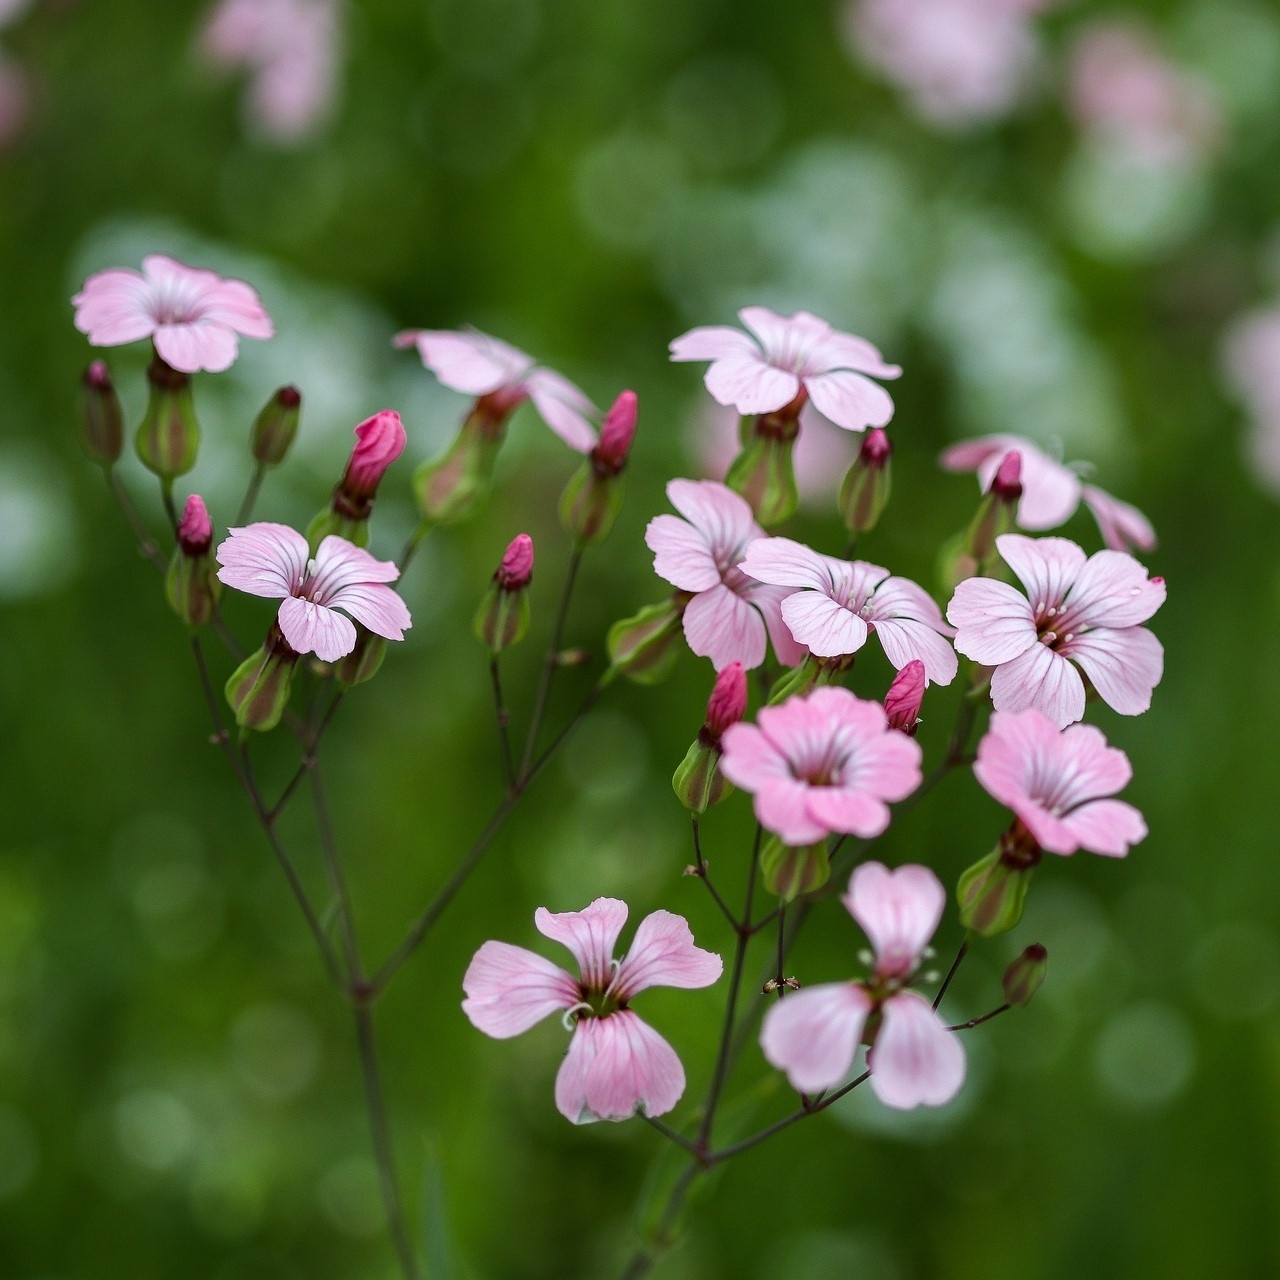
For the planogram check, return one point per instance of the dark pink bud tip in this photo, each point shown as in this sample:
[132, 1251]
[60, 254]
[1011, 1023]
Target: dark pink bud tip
[517, 564]
[97, 376]
[1007, 483]
[380, 440]
[195, 529]
[728, 702]
[616, 433]
[288, 397]
[877, 448]
[906, 693]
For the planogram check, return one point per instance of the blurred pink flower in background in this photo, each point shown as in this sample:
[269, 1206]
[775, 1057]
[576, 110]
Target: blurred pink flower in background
[617, 1064]
[291, 49]
[1251, 365]
[813, 1034]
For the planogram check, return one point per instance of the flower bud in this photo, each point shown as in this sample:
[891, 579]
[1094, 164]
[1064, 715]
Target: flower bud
[698, 782]
[380, 440]
[997, 512]
[791, 870]
[728, 702]
[1022, 979]
[644, 647]
[101, 418]
[906, 693]
[168, 437]
[864, 492]
[503, 616]
[363, 661]
[592, 499]
[258, 690]
[993, 892]
[803, 678]
[275, 427]
[763, 474]
[191, 585]
[617, 433]
[449, 488]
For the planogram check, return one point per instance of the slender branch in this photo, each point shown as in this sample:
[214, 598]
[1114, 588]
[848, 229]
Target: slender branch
[311, 747]
[701, 871]
[251, 495]
[779, 978]
[646, 1258]
[671, 1134]
[146, 543]
[951, 973]
[504, 722]
[337, 879]
[977, 1022]
[166, 496]
[410, 548]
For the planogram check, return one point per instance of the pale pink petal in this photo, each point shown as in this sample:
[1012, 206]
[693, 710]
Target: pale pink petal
[571, 1079]
[681, 554]
[712, 342]
[591, 934]
[1042, 679]
[563, 407]
[845, 351]
[510, 989]
[1047, 567]
[915, 1059]
[786, 339]
[994, 621]
[663, 954]
[191, 348]
[113, 308]
[723, 627]
[768, 600]
[751, 385]
[1050, 490]
[723, 517]
[887, 764]
[850, 400]
[907, 641]
[783, 808]
[751, 759]
[813, 1034]
[1108, 827]
[851, 812]
[969, 455]
[898, 911]
[467, 360]
[1124, 666]
[1018, 755]
[1113, 590]
[784, 562]
[1123, 526]
[340, 563]
[263, 559]
[634, 1069]
[236, 304]
[828, 629]
[376, 606]
[315, 628]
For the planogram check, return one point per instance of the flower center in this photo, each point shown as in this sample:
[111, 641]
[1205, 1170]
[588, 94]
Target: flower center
[1055, 624]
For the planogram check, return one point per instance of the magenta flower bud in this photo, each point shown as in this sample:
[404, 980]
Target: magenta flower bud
[997, 515]
[101, 418]
[616, 434]
[380, 440]
[276, 426]
[195, 529]
[190, 584]
[1007, 482]
[906, 693]
[1023, 978]
[864, 492]
[728, 702]
[516, 568]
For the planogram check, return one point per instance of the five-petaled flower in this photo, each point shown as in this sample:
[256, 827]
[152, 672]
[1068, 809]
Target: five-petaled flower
[813, 1035]
[730, 612]
[1059, 783]
[194, 317]
[617, 1064]
[273, 560]
[1085, 611]
[472, 362]
[792, 358]
[837, 603]
[821, 763]
[1052, 491]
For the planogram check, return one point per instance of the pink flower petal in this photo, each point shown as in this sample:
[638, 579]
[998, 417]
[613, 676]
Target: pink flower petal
[571, 1079]
[510, 989]
[850, 400]
[1113, 590]
[378, 607]
[785, 339]
[1124, 666]
[915, 1059]
[236, 304]
[994, 621]
[591, 934]
[828, 629]
[263, 559]
[634, 1069]
[813, 1034]
[851, 812]
[563, 408]
[786, 563]
[1047, 567]
[768, 600]
[751, 759]
[681, 554]
[340, 563]
[783, 808]
[907, 641]
[191, 348]
[467, 360]
[1123, 526]
[315, 628]
[1042, 679]
[723, 517]
[751, 385]
[663, 955]
[712, 342]
[898, 911]
[845, 351]
[1108, 827]
[723, 627]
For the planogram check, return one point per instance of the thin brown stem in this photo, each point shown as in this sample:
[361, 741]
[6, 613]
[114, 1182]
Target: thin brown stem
[961, 952]
[147, 546]
[671, 1134]
[310, 749]
[977, 1022]
[504, 722]
[700, 869]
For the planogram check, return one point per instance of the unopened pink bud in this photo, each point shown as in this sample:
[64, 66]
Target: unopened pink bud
[195, 529]
[380, 440]
[876, 449]
[98, 376]
[616, 434]
[906, 693]
[1007, 484]
[728, 702]
[516, 568]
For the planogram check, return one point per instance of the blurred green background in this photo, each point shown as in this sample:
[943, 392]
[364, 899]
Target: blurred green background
[179, 1093]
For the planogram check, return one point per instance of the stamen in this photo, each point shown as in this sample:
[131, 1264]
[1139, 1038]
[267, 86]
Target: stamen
[567, 1019]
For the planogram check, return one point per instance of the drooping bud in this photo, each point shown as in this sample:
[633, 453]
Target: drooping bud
[790, 870]
[993, 892]
[698, 782]
[864, 492]
[258, 690]
[275, 427]
[363, 661]
[168, 437]
[644, 647]
[592, 499]
[1023, 978]
[101, 418]
[503, 616]
[906, 693]
[449, 488]
[191, 584]
[763, 472]
[380, 440]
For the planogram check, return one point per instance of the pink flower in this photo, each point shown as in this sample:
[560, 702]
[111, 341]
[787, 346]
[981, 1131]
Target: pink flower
[273, 560]
[1052, 491]
[813, 1035]
[728, 702]
[836, 604]
[729, 614]
[193, 316]
[516, 569]
[195, 529]
[906, 694]
[617, 432]
[1057, 783]
[380, 440]
[1082, 611]
[616, 1064]
[821, 763]
[792, 357]
[469, 361]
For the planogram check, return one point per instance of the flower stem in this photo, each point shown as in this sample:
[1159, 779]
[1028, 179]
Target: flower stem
[504, 722]
[250, 499]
